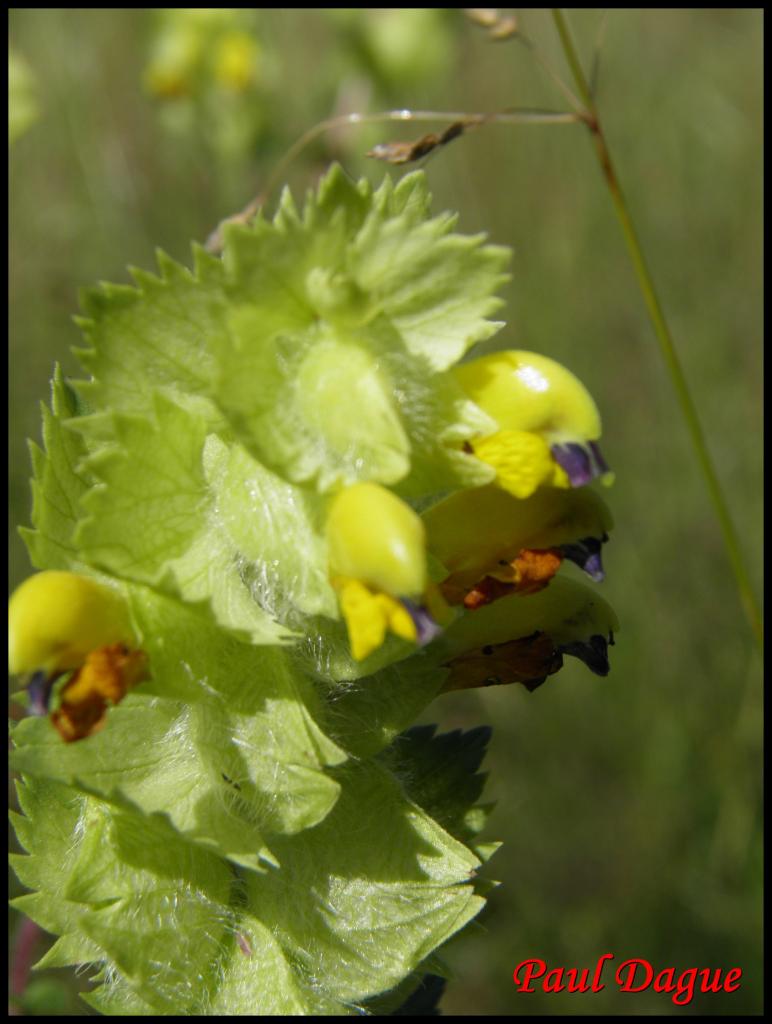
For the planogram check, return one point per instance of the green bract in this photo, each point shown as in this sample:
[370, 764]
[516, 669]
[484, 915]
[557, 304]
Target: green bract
[246, 835]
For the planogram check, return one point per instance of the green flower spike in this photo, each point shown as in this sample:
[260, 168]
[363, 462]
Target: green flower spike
[491, 543]
[242, 465]
[377, 547]
[59, 622]
[548, 423]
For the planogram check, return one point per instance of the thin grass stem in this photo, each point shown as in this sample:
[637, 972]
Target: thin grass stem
[663, 334]
[512, 117]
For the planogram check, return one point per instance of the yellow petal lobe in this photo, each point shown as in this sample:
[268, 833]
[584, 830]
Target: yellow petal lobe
[522, 460]
[369, 615]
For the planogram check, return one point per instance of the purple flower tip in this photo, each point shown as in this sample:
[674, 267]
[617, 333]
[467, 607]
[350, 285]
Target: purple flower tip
[586, 554]
[426, 628]
[582, 463]
[39, 689]
[593, 652]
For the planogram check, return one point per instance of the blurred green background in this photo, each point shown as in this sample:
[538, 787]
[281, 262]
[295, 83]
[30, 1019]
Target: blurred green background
[629, 806]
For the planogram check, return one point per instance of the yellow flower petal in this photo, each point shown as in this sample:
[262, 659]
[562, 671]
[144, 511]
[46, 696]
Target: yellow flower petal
[368, 616]
[375, 537]
[398, 618]
[364, 618]
[528, 391]
[522, 460]
[55, 618]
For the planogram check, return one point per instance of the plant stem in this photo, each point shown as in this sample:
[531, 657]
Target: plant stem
[512, 117]
[662, 332]
[571, 57]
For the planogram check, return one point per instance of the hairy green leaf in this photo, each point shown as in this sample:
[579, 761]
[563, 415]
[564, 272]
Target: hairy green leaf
[58, 484]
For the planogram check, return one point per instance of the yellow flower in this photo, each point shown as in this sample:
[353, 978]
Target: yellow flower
[173, 67]
[377, 558]
[492, 544]
[59, 622]
[549, 424]
[56, 618]
[236, 61]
